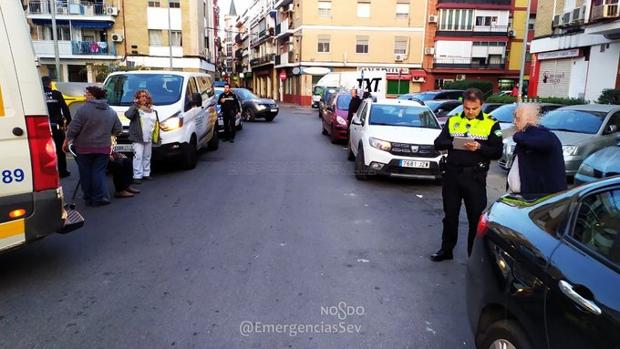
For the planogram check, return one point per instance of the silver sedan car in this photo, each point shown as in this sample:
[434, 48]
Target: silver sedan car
[582, 129]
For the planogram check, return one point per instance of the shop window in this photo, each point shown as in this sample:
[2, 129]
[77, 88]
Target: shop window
[395, 87]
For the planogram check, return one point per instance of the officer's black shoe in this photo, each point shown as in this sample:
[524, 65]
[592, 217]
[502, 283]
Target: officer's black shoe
[65, 174]
[441, 255]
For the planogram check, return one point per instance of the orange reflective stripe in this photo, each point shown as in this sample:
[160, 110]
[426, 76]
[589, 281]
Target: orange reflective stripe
[12, 228]
[1, 103]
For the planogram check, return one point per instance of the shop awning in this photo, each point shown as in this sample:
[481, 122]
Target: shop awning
[418, 73]
[75, 23]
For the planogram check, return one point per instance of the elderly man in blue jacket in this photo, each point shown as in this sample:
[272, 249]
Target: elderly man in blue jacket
[538, 167]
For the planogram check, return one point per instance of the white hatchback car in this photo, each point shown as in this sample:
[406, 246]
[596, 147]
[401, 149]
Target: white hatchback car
[394, 138]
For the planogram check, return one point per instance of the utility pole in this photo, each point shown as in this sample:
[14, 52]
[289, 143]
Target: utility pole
[55, 39]
[170, 36]
[524, 53]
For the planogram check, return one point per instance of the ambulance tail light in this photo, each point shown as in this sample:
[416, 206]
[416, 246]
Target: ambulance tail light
[42, 153]
[483, 225]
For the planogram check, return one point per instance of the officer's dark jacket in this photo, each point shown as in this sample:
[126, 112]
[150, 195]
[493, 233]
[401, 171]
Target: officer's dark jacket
[541, 161]
[56, 106]
[354, 105]
[229, 103]
[491, 145]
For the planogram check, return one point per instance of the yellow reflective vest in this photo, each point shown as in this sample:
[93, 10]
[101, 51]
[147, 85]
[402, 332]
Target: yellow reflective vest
[480, 129]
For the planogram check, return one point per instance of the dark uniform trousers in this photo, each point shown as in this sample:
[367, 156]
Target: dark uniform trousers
[466, 184]
[59, 138]
[229, 126]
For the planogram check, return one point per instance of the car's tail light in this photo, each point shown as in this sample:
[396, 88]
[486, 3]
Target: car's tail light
[42, 153]
[483, 224]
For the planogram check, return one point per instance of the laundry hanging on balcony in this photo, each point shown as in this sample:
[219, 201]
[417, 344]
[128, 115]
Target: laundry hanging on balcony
[90, 48]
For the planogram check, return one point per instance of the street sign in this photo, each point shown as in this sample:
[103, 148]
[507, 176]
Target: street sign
[283, 75]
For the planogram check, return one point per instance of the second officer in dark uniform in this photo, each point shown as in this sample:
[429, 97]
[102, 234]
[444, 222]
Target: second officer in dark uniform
[60, 117]
[465, 170]
[230, 108]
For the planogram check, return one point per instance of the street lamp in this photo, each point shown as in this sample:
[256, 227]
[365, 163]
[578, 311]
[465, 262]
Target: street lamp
[170, 36]
[524, 52]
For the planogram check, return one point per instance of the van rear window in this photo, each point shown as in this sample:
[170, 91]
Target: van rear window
[164, 88]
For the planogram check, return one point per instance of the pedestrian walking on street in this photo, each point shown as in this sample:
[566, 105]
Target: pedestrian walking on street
[354, 105]
[91, 132]
[230, 110]
[60, 117]
[472, 139]
[538, 166]
[122, 174]
[143, 131]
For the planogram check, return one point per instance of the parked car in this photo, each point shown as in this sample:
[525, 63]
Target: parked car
[253, 107]
[582, 129]
[183, 101]
[219, 83]
[505, 114]
[430, 95]
[545, 272]
[601, 164]
[220, 117]
[441, 107]
[327, 93]
[73, 92]
[335, 123]
[394, 138]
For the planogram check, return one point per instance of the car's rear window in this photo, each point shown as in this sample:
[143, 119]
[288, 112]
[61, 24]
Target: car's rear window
[165, 89]
[505, 113]
[343, 102]
[570, 120]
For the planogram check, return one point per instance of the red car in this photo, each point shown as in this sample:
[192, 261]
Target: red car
[335, 123]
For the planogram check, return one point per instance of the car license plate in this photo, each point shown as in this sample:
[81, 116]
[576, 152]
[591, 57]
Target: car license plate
[274, 110]
[123, 148]
[415, 164]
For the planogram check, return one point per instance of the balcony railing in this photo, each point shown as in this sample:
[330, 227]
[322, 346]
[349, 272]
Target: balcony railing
[74, 48]
[468, 63]
[481, 2]
[607, 10]
[491, 28]
[270, 58]
[69, 7]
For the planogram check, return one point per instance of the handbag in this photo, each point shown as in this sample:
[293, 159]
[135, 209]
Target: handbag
[156, 139]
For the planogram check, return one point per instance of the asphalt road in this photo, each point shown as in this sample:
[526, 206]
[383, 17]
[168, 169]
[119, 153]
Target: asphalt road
[274, 230]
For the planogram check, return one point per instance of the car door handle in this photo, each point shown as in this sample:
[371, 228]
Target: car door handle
[568, 290]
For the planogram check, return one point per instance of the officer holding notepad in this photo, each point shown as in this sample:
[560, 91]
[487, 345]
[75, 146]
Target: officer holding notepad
[472, 139]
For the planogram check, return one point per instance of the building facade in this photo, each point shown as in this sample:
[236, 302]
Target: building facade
[96, 33]
[477, 40]
[576, 51]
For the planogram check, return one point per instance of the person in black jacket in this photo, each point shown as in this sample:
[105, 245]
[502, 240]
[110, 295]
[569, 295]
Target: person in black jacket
[354, 104]
[230, 109]
[538, 166]
[60, 117]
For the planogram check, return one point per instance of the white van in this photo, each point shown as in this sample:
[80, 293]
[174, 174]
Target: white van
[374, 82]
[31, 198]
[185, 106]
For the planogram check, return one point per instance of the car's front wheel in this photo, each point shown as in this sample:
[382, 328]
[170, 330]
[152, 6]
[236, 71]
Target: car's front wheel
[504, 334]
[249, 115]
[214, 143]
[190, 155]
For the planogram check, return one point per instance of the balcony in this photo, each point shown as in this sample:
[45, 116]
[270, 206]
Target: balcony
[284, 29]
[477, 2]
[478, 30]
[267, 59]
[238, 39]
[469, 63]
[604, 20]
[75, 49]
[73, 9]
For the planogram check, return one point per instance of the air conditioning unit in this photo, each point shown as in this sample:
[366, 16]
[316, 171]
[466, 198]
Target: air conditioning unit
[399, 58]
[432, 19]
[112, 11]
[429, 51]
[116, 37]
[556, 22]
[565, 19]
[418, 79]
[578, 15]
[460, 77]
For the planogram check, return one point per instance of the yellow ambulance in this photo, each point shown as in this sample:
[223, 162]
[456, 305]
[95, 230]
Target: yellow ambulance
[31, 198]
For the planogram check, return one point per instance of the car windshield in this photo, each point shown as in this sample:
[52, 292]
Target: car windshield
[434, 105]
[245, 94]
[318, 90]
[343, 102]
[456, 110]
[165, 89]
[73, 89]
[402, 115]
[426, 96]
[505, 113]
[580, 121]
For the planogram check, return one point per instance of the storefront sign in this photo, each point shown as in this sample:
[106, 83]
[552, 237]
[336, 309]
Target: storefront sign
[283, 75]
[553, 78]
[389, 70]
[316, 70]
[559, 54]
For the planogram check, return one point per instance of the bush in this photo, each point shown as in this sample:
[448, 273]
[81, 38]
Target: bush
[609, 96]
[484, 85]
[501, 99]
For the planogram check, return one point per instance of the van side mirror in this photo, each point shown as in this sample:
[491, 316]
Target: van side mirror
[197, 100]
[210, 92]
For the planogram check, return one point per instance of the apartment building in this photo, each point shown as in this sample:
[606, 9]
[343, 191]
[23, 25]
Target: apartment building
[228, 46]
[85, 33]
[576, 50]
[477, 39]
[96, 33]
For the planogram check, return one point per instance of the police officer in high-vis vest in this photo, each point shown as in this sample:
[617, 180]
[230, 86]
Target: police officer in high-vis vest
[465, 169]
